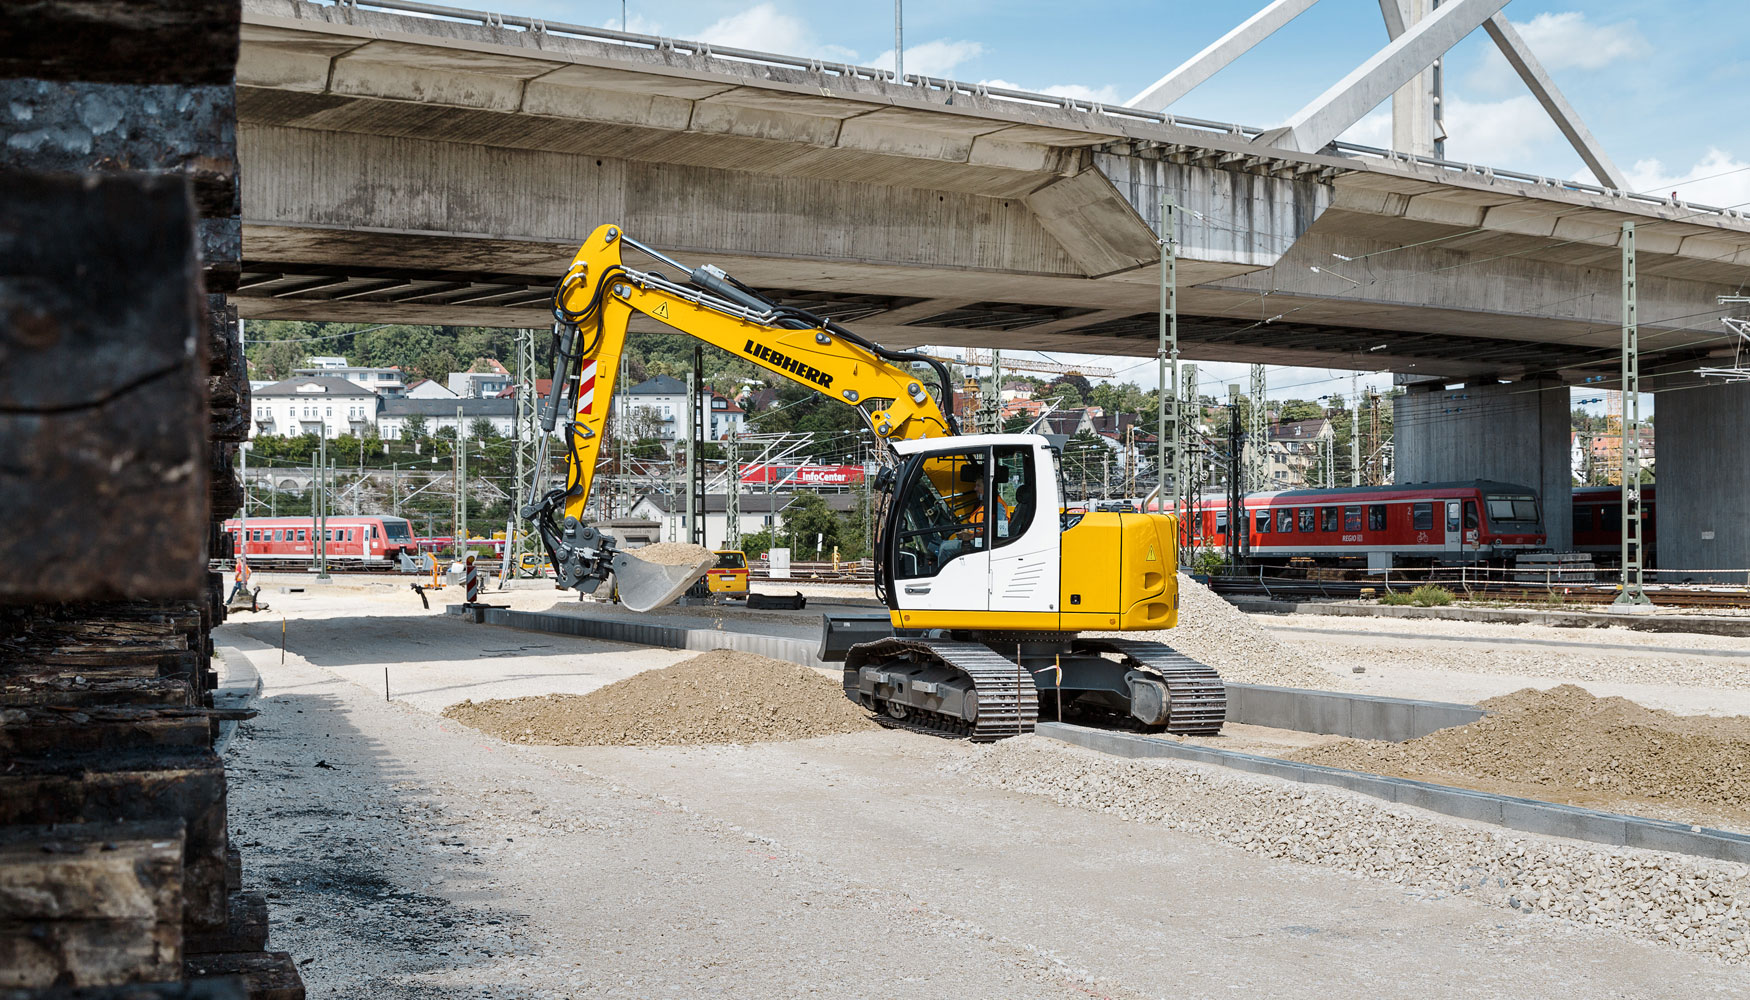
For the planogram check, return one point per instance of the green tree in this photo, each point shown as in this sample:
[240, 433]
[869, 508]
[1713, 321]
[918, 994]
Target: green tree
[808, 517]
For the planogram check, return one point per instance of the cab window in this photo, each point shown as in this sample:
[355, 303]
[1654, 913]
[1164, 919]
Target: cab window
[941, 515]
[1017, 494]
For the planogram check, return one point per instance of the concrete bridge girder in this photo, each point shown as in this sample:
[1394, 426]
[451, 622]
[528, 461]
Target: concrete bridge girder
[845, 183]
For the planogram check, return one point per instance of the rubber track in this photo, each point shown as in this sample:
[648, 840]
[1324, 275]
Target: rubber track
[1196, 697]
[1008, 700]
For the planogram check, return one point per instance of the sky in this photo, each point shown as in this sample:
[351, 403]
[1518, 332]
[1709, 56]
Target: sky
[1665, 88]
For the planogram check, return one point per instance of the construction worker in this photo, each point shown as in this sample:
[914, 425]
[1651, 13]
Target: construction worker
[242, 584]
[975, 519]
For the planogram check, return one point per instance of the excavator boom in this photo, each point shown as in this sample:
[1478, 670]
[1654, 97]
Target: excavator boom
[593, 305]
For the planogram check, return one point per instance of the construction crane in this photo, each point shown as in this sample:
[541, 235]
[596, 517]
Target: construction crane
[987, 583]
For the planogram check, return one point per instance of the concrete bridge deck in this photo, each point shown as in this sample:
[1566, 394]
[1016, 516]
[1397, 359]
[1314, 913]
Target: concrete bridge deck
[419, 169]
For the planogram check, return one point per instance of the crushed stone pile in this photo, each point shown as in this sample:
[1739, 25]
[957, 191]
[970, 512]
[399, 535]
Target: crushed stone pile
[723, 696]
[1568, 740]
[1212, 631]
[672, 553]
[1689, 903]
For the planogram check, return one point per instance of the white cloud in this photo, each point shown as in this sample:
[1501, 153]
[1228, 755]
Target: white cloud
[939, 58]
[761, 27]
[1103, 95]
[1513, 133]
[1718, 179]
[1564, 40]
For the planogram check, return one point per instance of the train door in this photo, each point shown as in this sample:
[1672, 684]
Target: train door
[1473, 527]
[1454, 527]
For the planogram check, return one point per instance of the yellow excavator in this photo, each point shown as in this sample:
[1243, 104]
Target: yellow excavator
[988, 582]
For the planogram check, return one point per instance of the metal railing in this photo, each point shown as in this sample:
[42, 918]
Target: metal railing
[541, 26]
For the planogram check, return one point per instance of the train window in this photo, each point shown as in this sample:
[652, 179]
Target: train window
[1610, 516]
[1221, 522]
[1327, 519]
[1263, 522]
[1521, 507]
[300, 534]
[1470, 516]
[1422, 517]
[1582, 519]
[1306, 519]
[1284, 519]
[373, 532]
[1376, 516]
[1352, 518]
[1452, 515]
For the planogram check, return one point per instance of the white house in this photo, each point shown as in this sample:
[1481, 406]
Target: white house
[439, 414]
[385, 382]
[667, 398]
[481, 385]
[427, 389]
[330, 407]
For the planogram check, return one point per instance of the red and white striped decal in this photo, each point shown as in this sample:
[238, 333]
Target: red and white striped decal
[586, 388]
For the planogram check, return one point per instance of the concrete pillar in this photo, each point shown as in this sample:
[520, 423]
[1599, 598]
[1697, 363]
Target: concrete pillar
[1514, 433]
[1702, 463]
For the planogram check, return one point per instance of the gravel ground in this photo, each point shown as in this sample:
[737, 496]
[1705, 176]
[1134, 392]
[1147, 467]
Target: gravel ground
[1688, 903]
[1469, 661]
[408, 856]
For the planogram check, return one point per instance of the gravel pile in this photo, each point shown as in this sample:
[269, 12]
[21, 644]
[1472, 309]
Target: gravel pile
[1689, 903]
[724, 696]
[672, 553]
[1212, 631]
[1565, 739]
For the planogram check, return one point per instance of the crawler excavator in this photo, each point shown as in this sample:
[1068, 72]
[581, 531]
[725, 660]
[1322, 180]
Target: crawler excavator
[988, 582]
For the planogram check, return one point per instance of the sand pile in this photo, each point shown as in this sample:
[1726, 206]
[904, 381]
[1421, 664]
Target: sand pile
[724, 696]
[1212, 631]
[1567, 741]
[672, 553]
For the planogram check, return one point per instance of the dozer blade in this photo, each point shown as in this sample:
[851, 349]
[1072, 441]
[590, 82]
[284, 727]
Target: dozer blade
[646, 585]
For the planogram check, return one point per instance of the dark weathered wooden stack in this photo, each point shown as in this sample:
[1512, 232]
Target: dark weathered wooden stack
[123, 395]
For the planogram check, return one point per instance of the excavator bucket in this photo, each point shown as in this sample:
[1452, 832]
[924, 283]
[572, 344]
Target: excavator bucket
[646, 585]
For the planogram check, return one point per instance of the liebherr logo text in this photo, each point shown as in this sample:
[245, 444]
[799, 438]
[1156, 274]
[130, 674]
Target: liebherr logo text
[788, 364]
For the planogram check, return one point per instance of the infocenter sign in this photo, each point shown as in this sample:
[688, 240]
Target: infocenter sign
[803, 475]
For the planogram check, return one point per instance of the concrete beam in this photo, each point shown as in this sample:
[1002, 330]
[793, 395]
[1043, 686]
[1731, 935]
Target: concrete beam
[1703, 464]
[1224, 50]
[1313, 127]
[1100, 230]
[1519, 56]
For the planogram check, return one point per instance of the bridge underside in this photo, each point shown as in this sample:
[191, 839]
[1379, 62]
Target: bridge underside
[401, 169]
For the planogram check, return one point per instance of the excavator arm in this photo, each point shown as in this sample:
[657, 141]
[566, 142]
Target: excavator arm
[593, 305]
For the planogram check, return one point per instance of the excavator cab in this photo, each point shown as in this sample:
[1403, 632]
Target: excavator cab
[962, 546]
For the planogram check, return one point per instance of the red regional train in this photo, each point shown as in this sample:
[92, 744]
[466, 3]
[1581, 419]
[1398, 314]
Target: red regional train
[1598, 524]
[1479, 521]
[371, 541]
